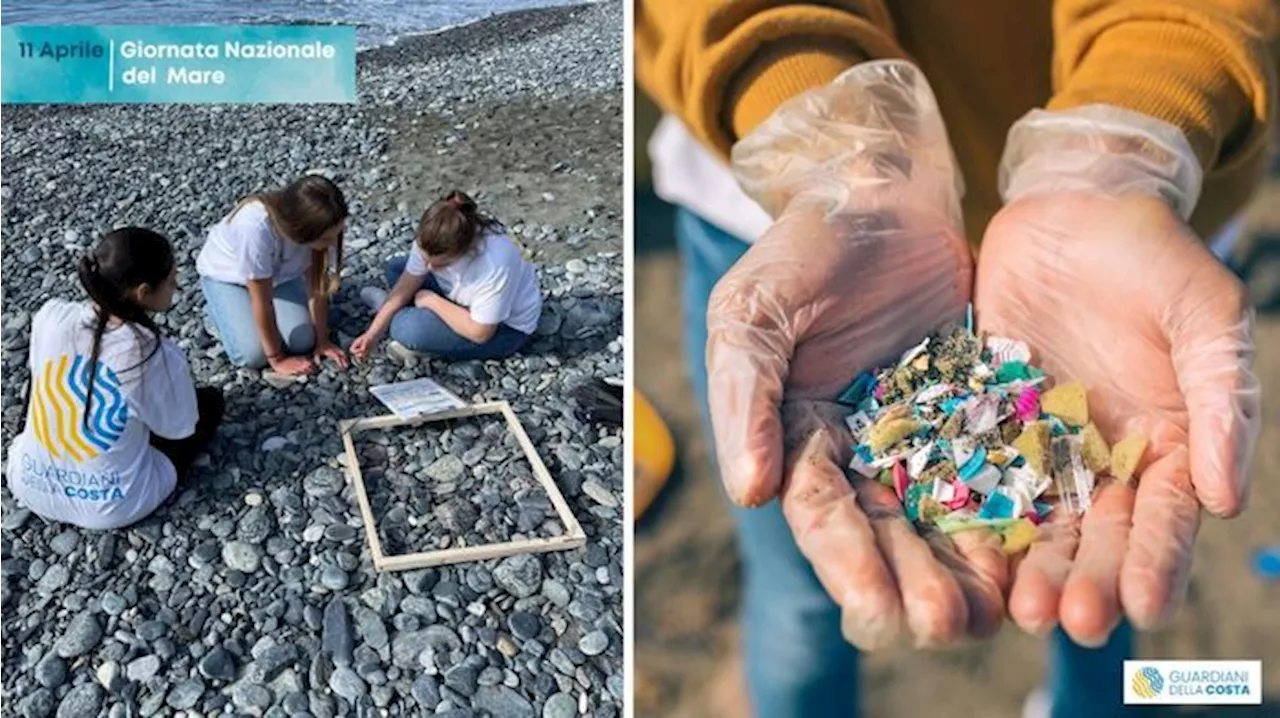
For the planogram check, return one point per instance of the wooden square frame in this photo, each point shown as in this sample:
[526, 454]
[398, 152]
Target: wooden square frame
[572, 538]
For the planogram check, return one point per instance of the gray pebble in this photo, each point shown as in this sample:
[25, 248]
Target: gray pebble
[143, 669]
[241, 556]
[81, 636]
[83, 700]
[347, 684]
[560, 705]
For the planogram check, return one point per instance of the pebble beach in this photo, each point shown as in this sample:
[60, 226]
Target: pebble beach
[252, 591]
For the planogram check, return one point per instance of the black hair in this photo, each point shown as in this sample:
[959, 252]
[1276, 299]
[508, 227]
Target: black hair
[122, 261]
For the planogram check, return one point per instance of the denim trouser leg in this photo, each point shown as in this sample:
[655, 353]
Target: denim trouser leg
[232, 316]
[797, 663]
[1089, 682]
[423, 331]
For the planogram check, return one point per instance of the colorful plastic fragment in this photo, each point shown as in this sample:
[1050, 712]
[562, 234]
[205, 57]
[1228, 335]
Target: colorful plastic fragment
[965, 435]
[1097, 455]
[1019, 536]
[1033, 444]
[1126, 455]
[1067, 402]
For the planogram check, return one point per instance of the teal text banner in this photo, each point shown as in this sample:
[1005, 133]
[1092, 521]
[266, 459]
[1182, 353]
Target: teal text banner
[223, 64]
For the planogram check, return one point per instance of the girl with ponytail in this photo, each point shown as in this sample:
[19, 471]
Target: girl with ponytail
[267, 271]
[463, 292]
[113, 418]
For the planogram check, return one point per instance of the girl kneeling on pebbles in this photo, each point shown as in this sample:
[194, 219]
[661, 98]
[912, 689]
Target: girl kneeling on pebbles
[472, 295]
[114, 418]
[252, 268]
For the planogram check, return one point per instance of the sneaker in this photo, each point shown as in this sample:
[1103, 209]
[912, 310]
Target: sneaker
[403, 353]
[1037, 704]
[373, 297]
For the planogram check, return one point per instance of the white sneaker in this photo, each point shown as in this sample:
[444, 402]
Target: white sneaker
[373, 297]
[403, 353]
[1037, 704]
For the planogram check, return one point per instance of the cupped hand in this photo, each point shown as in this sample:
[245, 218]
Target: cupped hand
[293, 366]
[1118, 293]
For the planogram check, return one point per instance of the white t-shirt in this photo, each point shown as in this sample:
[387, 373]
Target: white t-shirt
[493, 281]
[687, 174]
[243, 246]
[104, 475]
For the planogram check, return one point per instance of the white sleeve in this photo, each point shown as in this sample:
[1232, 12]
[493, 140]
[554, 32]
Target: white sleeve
[417, 264]
[494, 298]
[257, 250]
[168, 394]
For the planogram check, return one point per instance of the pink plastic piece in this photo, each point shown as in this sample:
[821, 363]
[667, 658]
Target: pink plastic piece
[961, 499]
[879, 391]
[1033, 517]
[900, 479]
[1027, 405]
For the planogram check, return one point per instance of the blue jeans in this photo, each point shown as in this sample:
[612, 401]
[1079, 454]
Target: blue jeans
[422, 330]
[232, 316]
[796, 661]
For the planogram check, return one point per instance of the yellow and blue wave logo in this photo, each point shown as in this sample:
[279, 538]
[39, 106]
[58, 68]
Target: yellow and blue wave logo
[58, 398]
[1147, 682]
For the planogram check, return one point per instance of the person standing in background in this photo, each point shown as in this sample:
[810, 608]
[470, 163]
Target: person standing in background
[1087, 147]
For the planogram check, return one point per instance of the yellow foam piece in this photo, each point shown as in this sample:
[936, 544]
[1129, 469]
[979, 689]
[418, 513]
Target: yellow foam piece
[887, 433]
[1033, 444]
[1096, 453]
[1019, 537]
[1067, 402]
[1126, 455]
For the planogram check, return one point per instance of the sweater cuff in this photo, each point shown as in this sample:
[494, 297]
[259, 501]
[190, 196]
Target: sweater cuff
[779, 73]
[1193, 82]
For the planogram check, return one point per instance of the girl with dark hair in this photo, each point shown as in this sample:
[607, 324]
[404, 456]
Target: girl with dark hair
[113, 419]
[464, 292]
[267, 271]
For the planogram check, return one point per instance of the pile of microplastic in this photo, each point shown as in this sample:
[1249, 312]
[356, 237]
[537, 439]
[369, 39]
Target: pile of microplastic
[965, 432]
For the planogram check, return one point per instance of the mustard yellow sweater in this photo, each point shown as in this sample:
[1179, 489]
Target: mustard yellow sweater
[1206, 66]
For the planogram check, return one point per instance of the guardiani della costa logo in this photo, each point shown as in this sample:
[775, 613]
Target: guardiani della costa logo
[1193, 682]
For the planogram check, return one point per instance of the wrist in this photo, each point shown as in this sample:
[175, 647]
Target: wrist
[872, 137]
[1100, 149]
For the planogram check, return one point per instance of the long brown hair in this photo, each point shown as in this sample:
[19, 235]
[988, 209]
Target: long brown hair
[451, 226]
[302, 212]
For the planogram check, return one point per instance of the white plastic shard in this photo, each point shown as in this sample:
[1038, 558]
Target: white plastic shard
[1024, 478]
[982, 414]
[985, 481]
[919, 460]
[982, 371]
[913, 352]
[930, 394]
[863, 468]
[858, 424]
[943, 491]
[1004, 349]
[962, 449]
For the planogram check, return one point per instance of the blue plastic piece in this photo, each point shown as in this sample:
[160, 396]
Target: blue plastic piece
[974, 464]
[1042, 508]
[949, 405]
[997, 506]
[857, 389]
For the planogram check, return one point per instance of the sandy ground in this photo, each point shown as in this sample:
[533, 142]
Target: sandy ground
[686, 562]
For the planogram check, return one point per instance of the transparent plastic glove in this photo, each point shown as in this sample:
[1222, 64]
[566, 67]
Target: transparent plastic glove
[1092, 263]
[866, 257]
